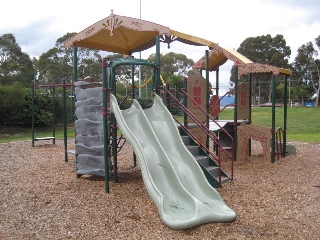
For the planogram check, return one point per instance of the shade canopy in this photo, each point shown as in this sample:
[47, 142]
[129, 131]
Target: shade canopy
[218, 56]
[126, 35]
[262, 68]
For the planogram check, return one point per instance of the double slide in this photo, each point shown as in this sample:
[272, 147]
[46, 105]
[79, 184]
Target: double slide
[172, 176]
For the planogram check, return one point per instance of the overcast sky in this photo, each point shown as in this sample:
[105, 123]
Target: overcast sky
[37, 24]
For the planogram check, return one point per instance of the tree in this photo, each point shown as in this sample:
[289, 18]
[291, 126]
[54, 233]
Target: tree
[15, 66]
[306, 70]
[57, 62]
[266, 50]
[174, 66]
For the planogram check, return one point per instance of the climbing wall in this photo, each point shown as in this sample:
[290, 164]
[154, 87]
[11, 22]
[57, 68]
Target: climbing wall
[89, 127]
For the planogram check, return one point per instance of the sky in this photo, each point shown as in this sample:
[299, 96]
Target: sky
[37, 24]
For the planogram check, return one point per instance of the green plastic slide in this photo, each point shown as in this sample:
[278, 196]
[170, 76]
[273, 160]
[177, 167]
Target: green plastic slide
[173, 178]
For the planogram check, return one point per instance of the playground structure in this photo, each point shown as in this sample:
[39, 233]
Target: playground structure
[169, 187]
[51, 90]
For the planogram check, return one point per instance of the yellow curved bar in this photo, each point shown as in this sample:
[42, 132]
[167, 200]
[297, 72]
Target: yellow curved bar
[144, 83]
[149, 81]
[163, 83]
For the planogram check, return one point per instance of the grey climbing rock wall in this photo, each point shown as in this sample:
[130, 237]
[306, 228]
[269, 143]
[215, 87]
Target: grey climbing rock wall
[89, 127]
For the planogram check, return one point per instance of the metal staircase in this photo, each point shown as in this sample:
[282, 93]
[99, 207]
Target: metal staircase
[210, 168]
[209, 160]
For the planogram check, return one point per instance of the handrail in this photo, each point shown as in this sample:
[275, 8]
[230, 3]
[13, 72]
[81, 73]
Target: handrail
[208, 115]
[205, 128]
[227, 105]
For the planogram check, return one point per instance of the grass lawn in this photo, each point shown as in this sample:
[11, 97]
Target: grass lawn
[303, 125]
[10, 134]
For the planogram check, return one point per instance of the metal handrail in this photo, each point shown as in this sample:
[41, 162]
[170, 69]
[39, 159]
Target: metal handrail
[205, 128]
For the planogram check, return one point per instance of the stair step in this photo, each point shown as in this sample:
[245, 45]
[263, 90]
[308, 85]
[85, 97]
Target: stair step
[194, 150]
[185, 140]
[224, 179]
[204, 160]
[213, 170]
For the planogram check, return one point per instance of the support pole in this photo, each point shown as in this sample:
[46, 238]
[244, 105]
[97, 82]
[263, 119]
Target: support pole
[65, 120]
[33, 118]
[285, 112]
[132, 83]
[75, 79]
[185, 102]
[273, 118]
[207, 95]
[235, 117]
[105, 125]
[217, 87]
[217, 82]
[54, 114]
[133, 97]
[157, 75]
[250, 106]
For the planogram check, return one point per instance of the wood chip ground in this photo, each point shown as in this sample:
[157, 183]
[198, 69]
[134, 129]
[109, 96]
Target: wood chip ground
[41, 198]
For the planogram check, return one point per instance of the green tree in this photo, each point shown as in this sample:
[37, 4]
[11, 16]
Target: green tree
[15, 66]
[57, 62]
[174, 66]
[266, 50]
[306, 71]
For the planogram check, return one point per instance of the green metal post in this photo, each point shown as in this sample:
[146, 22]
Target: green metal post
[250, 97]
[235, 112]
[217, 117]
[285, 111]
[133, 97]
[185, 102]
[114, 127]
[33, 118]
[273, 118]
[250, 106]
[157, 75]
[105, 125]
[54, 114]
[132, 82]
[217, 82]
[217, 86]
[207, 94]
[75, 64]
[114, 147]
[75, 78]
[65, 134]
[167, 95]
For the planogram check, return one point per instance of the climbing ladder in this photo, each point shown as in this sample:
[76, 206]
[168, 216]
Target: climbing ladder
[209, 166]
[209, 159]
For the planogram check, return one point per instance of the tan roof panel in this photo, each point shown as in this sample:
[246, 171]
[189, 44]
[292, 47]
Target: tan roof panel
[127, 35]
[119, 34]
[218, 56]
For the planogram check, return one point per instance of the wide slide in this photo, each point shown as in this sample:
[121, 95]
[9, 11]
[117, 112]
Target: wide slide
[173, 178]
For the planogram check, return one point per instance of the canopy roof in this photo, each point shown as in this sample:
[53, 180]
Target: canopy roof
[127, 35]
[262, 68]
[218, 56]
